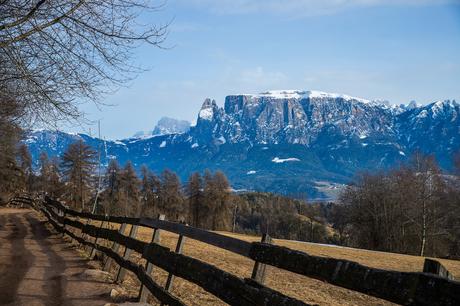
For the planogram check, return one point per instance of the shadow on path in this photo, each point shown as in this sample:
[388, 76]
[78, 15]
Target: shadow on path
[37, 267]
[19, 261]
[55, 282]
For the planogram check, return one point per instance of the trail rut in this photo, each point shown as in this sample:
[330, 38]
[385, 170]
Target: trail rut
[37, 267]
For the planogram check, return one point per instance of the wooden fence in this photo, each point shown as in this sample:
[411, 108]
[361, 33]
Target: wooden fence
[407, 288]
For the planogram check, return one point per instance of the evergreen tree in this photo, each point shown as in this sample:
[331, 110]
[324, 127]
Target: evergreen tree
[78, 163]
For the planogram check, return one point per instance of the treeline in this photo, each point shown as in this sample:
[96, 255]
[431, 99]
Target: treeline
[281, 217]
[74, 178]
[204, 200]
[412, 209]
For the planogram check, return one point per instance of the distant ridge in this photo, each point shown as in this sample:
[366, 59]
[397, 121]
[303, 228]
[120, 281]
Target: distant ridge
[287, 141]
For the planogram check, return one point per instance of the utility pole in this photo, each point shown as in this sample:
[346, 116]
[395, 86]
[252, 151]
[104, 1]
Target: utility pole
[99, 169]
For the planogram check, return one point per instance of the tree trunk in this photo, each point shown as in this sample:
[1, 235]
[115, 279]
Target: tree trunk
[423, 240]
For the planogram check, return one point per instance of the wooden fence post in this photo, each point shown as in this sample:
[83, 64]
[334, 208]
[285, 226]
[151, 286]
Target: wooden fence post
[122, 271]
[179, 246]
[115, 248]
[144, 292]
[62, 214]
[93, 250]
[258, 272]
[82, 234]
[435, 267]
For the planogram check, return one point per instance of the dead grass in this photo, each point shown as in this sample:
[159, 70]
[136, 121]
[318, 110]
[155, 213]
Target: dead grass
[306, 289]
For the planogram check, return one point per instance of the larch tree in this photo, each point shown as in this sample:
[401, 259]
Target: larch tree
[209, 200]
[216, 194]
[44, 164]
[222, 207]
[111, 194]
[78, 164]
[170, 196]
[24, 160]
[150, 186]
[195, 199]
[55, 185]
[129, 187]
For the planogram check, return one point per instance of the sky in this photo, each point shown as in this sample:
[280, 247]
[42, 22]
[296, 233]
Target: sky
[376, 49]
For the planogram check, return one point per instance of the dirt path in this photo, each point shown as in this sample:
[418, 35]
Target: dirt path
[38, 268]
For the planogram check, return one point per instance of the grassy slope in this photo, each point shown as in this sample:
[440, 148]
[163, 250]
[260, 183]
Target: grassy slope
[304, 288]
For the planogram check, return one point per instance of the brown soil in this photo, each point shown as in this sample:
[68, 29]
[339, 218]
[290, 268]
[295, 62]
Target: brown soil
[38, 267]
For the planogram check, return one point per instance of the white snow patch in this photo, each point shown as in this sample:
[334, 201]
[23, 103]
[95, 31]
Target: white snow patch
[206, 114]
[301, 94]
[163, 144]
[251, 172]
[283, 160]
[423, 114]
[118, 142]
[222, 139]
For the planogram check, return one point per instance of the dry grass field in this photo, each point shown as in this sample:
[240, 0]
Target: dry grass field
[306, 289]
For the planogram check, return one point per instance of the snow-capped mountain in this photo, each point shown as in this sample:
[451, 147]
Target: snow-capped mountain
[166, 126]
[293, 142]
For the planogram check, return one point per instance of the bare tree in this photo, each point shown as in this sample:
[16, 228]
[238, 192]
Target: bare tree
[129, 187]
[10, 111]
[78, 163]
[24, 160]
[56, 54]
[195, 198]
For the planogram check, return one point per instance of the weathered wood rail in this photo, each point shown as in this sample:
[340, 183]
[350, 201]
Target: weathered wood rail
[20, 201]
[406, 288]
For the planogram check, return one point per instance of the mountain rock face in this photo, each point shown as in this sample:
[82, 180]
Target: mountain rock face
[293, 142]
[168, 125]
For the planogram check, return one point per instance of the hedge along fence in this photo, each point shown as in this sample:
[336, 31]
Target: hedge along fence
[407, 288]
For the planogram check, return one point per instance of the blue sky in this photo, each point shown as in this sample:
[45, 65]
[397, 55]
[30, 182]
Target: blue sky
[396, 50]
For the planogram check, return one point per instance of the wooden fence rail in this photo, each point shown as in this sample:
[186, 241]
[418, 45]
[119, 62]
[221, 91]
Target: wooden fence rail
[407, 288]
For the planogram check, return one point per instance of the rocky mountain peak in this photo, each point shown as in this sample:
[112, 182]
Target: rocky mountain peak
[208, 108]
[287, 141]
[168, 125]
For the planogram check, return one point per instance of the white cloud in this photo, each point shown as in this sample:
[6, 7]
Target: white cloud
[298, 8]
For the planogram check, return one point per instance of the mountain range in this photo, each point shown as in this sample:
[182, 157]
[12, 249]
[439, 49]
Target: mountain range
[299, 143]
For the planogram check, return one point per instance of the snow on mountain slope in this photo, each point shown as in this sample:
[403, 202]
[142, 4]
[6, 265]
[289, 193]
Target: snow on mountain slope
[287, 140]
